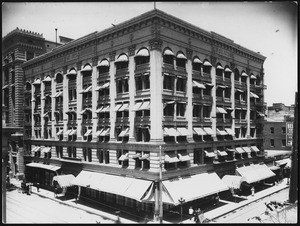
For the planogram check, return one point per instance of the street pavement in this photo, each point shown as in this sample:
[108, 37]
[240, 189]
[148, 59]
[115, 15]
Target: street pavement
[212, 214]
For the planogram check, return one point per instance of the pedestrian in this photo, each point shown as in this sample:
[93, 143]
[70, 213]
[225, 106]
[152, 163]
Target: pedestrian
[38, 187]
[191, 213]
[55, 192]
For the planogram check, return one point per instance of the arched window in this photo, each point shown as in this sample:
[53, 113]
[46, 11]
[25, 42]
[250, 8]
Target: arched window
[244, 77]
[168, 56]
[227, 72]
[207, 67]
[28, 86]
[181, 60]
[122, 61]
[103, 66]
[219, 70]
[142, 56]
[236, 75]
[59, 78]
[197, 64]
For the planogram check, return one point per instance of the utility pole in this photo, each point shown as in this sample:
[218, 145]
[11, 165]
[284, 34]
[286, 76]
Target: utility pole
[293, 191]
[56, 37]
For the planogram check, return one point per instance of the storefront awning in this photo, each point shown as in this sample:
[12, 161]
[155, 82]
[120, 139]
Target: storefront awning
[125, 186]
[46, 150]
[88, 133]
[103, 86]
[221, 110]
[35, 149]
[125, 107]
[254, 173]
[99, 132]
[199, 131]
[43, 166]
[64, 180]
[255, 149]
[170, 132]
[171, 158]
[233, 181]
[105, 132]
[124, 157]
[199, 85]
[210, 154]
[222, 153]
[247, 149]
[239, 150]
[191, 187]
[59, 132]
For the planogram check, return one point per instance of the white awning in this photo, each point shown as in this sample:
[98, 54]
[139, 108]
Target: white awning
[68, 132]
[43, 166]
[221, 132]
[230, 131]
[60, 93]
[87, 68]
[37, 82]
[181, 56]
[254, 173]
[103, 86]
[88, 89]
[46, 150]
[239, 150]
[239, 90]
[103, 63]
[117, 107]
[99, 109]
[253, 95]
[197, 61]
[220, 67]
[35, 149]
[47, 79]
[184, 157]
[98, 132]
[183, 131]
[209, 84]
[84, 110]
[88, 133]
[210, 154]
[228, 69]
[125, 107]
[168, 52]
[191, 187]
[124, 157]
[206, 63]
[233, 181]
[222, 153]
[252, 77]
[72, 72]
[199, 85]
[199, 131]
[105, 132]
[74, 131]
[46, 115]
[247, 149]
[145, 106]
[221, 110]
[105, 109]
[171, 132]
[124, 186]
[137, 106]
[143, 52]
[255, 149]
[124, 133]
[208, 130]
[6, 86]
[59, 132]
[64, 180]
[71, 111]
[171, 158]
[222, 87]
[244, 74]
[122, 58]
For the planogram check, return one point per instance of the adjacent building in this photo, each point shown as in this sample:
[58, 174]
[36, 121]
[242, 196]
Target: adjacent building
[143, 112]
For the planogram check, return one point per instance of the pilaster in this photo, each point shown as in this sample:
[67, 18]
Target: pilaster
[248, 106]
[53, 85]
[65, 103]
[189, 90]
[112, 94]
[32, 107]
[131, 84]
[214, 101]
[42, 110]
[94, 100]
[79, 102]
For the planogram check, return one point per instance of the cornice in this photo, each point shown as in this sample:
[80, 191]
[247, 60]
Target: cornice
[153, 17]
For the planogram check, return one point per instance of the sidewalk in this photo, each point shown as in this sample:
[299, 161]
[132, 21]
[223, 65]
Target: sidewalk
[231, 206]
[108, 218]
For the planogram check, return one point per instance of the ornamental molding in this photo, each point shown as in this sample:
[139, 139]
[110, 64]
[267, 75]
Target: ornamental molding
[155, 44]
[131, 50]
[112, 55]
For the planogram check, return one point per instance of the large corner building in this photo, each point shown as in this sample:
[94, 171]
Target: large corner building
[148, 100]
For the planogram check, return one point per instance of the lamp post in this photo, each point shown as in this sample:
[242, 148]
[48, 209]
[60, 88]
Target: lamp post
[181, 200]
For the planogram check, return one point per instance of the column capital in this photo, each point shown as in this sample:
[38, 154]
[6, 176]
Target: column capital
[131, 50]
[112, 55]
[189, 53]
[213, 60]
[155, 43]
[78, 65]
[95, 60]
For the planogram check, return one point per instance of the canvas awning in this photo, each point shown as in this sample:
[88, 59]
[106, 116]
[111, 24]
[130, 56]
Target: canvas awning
[88, 133]
[60, 93]
[230, 131]
[143, 53]
[199, 85]
[221, 132]
[222, 153]
[181, 56]
[145, 106]
[74, 131]
[105, 132]
[125, 186]
[137, 106]
[68, 132]
[247, 149]
[199, 131]
[220, 67]
[197, 61]
[171, 158]
[168, 52]
[125, 107]
[255, 149]
[253, 95]
[239, 150]
[72, 72]
[122, 58]
[103, 86]
[35, 149]
[182, 131]
[43, 166]
[87, 67]
[221, 110]
[206, 63]
[59, 132]
[210, 154]
[184, 157]
[208, 130]
[103, 63]
[124, 157]
[189, 188]
[284, 162]
[233, 181]
[228, 69]
[64, 180]
[124, 133]
[99, 132]
[88, 89]
[47, 79]
[254, 173]
[170, 132]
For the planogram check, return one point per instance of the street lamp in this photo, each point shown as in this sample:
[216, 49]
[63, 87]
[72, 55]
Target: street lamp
[181, 200]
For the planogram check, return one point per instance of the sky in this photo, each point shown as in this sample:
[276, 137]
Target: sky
[270, 28]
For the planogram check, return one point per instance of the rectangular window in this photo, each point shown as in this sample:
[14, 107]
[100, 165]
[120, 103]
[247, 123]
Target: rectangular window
[181, 84]
[283, 130]
[206, 111]
[272, 130]
[168, 82]
[180, 109]
[272, 142]
[283, 143]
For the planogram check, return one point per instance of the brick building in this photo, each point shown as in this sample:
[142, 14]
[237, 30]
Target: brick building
[151, 99]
